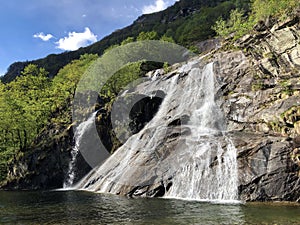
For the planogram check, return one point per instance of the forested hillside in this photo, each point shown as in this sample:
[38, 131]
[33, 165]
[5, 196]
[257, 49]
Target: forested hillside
[187, 22]
[32, 101]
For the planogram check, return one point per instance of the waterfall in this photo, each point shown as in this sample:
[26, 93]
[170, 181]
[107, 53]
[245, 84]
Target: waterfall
[117, 171]
[79, 132]
[183, 149]
[210, 170]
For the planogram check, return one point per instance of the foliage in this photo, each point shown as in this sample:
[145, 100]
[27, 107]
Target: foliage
[186, 22]
[166, 67]
[143, 36]
[129, 75]
[242, 4]
[29, 102]
[198, 26]
[64, 83]
[277, 8]
[240, 21]
[237, 24]
[26, 106]
[36, 98]
[121, 79]
[33, 101]
[152, 35]
[128, 40]
[167, 38]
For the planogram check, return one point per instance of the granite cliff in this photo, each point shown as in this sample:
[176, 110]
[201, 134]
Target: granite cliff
[258, 92]
[257, 89]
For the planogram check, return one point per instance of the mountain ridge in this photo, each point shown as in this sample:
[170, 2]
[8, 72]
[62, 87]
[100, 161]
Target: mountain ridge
[167, 22]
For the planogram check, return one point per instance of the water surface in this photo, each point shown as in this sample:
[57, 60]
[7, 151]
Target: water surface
[89, 208]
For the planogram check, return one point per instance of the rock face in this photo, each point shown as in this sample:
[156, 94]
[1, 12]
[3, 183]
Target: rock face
[266, 169]
[45, 166]
[257, 95]
[258, 92]
[262, 103]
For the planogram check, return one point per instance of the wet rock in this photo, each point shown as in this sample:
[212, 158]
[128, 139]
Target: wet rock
[181, 121]
[256, 90]
[261, 115]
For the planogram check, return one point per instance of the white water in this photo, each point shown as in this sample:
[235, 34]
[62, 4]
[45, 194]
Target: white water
[203, 165]
[80, 130]
[118, 169]
[210, 170]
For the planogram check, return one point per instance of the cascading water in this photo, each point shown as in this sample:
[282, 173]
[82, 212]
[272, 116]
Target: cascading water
[190, 160]
[210, 170]
[80, 130]
[114, 173]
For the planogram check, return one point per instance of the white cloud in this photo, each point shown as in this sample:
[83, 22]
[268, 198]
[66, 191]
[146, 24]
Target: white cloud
[159, 5]
[42, 36]
[76, 40]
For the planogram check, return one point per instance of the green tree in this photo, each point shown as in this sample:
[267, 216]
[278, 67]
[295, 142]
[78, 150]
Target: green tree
[64, 85]
[167, 38]
[121, 79]
[24, 108]
[31, 101]
[237, 24]
[241, 22]
[28, 103]
[143, 36]
[278, 8]
[127, 41]
[242, 4]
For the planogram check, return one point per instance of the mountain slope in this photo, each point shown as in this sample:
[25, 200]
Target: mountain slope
[186, 21]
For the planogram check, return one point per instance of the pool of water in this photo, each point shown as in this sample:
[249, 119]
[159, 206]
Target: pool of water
[72, 207]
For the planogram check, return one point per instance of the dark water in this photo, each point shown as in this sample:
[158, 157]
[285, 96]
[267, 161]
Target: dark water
[90, 208]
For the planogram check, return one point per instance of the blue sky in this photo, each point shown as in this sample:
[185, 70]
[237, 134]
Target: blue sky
[33, 29]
